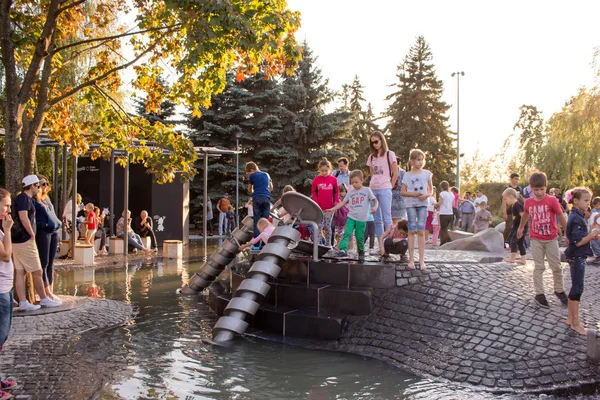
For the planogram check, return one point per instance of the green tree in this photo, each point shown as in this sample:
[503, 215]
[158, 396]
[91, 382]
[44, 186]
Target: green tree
[417, 115]
[309, 132]
[165, 111]
[199, 40]
[531, 137]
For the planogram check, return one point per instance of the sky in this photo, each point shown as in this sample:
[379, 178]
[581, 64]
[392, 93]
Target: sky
[512, 53]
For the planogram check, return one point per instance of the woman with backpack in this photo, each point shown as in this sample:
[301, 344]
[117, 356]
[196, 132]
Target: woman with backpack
[384, 176]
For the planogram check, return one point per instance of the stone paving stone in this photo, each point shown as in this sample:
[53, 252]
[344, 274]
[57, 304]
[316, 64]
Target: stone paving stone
[40, 352]
[484, 319]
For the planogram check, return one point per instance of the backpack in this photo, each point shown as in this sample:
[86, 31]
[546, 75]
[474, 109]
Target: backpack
[336, 173]
[387, 157]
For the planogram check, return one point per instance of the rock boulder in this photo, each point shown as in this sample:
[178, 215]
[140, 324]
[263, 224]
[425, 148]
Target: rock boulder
[488, 240]
[456, 235]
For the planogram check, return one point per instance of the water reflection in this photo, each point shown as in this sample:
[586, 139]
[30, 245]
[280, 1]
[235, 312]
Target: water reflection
[164, 357]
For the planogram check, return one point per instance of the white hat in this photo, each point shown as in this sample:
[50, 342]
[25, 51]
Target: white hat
[30, 180]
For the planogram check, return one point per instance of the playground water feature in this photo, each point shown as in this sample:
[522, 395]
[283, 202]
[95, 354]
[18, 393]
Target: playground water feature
[162, 355]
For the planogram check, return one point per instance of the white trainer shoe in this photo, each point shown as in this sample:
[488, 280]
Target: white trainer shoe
[27, 306]
[48, 302]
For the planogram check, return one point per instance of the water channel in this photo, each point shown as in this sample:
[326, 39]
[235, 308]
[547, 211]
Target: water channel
[163, 356]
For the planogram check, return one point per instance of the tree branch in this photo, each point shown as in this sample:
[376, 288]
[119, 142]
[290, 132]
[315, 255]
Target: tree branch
[41, 51]
[106, 74]
[109, 38]
[73, 4]
[117, 107]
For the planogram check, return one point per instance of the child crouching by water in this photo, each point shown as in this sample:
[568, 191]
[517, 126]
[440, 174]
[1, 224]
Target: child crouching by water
[266, 230]
[395, 239]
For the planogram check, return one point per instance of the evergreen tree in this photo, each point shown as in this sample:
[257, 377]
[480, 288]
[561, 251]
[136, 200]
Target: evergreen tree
[417, 116]
[308, 131]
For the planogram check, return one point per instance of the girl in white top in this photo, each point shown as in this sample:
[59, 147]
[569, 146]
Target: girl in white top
[417, 188]
[446, 213]
[6, 269]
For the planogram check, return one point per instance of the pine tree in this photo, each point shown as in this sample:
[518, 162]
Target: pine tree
[308, 131]
[417, 116]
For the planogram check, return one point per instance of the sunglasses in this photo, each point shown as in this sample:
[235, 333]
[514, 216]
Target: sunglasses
[375, 142]
[45, 184]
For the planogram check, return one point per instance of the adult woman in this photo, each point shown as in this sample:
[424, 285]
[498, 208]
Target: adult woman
[398, 201]
[46, 236]
[384, 175]
[209, 216]
[68, 214]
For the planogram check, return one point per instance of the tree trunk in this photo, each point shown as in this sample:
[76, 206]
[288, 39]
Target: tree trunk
[28, 146]
[12, 161]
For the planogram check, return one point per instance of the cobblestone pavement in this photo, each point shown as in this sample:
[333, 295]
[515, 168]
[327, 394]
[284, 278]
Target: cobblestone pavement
[477, 324]
[41, 350]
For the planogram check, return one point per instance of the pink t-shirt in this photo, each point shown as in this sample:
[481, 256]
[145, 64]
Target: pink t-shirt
[381, 178]
[325, 191]
[264, 235]
[455, 202]
[542, 217]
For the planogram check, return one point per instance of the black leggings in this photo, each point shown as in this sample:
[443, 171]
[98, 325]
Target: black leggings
[445, 223]
[47, 244]
[514, 242]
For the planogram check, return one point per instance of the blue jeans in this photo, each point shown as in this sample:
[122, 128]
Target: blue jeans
[47, 243]
[261, 206]
[577, 265]
[6, 310]
[417, 217]
[595, 247]
[222, 223]
[134, 240]
[384, 210]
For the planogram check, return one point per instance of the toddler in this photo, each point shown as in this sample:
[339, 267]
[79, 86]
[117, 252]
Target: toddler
[266, 230]
[510, 197]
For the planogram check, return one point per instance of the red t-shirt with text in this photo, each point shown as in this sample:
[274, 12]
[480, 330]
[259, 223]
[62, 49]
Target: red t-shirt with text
[325, 191]
[542, 217]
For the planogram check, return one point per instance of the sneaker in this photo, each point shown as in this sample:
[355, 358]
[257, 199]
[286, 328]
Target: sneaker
[27, 306]
[373, 251]
[48, 302]
[562, 297]
[5, 395]
[541, 300]
[103, 253]
[8, 385]
[340, 254]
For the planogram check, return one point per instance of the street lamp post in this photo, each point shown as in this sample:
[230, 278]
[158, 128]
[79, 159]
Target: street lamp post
[238, 135]
[458, 75]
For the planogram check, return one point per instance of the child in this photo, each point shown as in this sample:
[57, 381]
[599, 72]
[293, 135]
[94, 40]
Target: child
[577, 252]
[266, 230]
[394, 240]
[358, 199]
[595, 220]
[6, 280]
[542, 209]
[231, 225]
[341, 216]
[446, 215]
[510, 197]
[417, 188]
[431, 203]
[91, 223]
[260, 186]
[466, 209]
[456, 195]
[483, 218]
[326, 194]
[435, 223]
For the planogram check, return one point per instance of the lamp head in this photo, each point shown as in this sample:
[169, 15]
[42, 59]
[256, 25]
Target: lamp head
[239, 134]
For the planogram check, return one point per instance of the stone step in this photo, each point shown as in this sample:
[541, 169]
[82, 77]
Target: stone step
[316, 297]
[284, 320]
[347, 274]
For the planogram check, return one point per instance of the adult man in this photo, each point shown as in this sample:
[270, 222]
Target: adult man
[342, 174]
[223, 205]
[480, 197]
[260, 187]
[506, 209]
[144, 227]
[25, 253]
[466, 209]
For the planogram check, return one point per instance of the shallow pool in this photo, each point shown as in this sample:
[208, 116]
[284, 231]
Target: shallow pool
[162, 354]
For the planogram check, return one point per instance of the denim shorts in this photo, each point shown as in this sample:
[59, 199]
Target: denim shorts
[417, 217]
[6, 308]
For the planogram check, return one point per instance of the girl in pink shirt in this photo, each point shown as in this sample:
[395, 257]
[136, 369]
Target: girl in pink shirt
[266, 230]
[326, 194]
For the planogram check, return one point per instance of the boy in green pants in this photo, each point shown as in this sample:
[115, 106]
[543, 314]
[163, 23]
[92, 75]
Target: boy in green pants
[359, 200]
